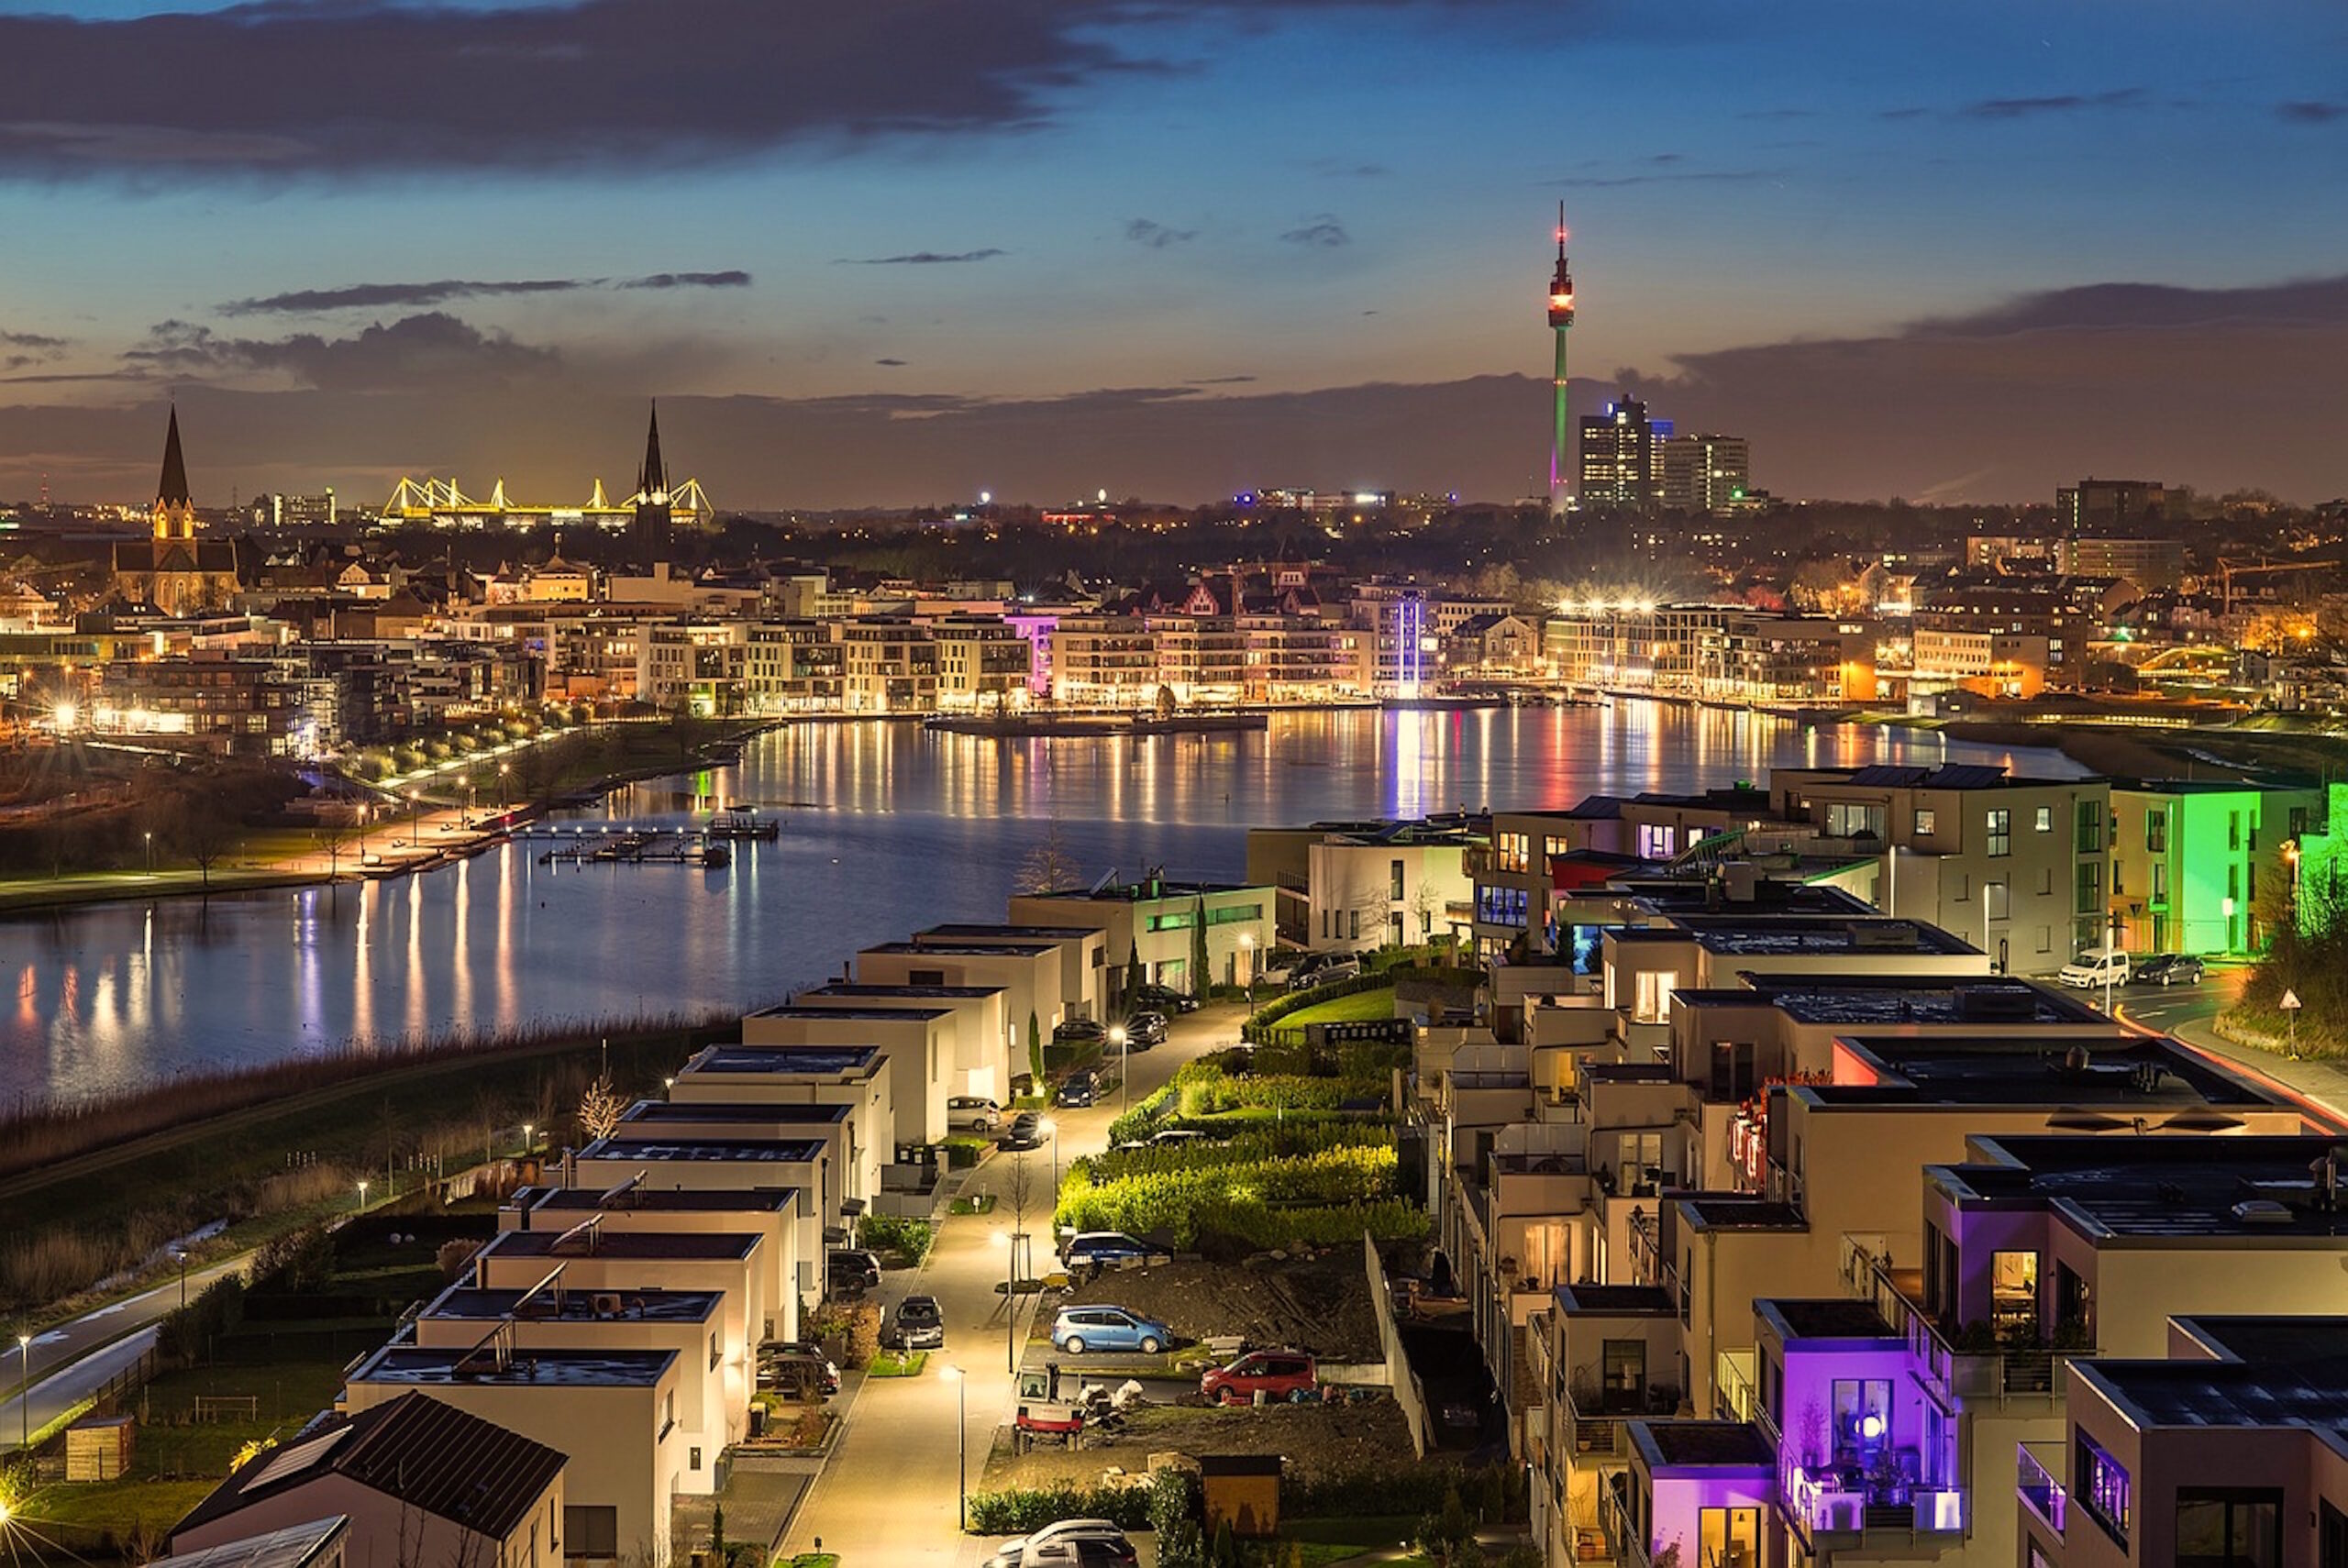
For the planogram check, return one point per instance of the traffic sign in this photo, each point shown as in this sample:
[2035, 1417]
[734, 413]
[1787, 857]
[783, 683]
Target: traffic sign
[2290, 1002]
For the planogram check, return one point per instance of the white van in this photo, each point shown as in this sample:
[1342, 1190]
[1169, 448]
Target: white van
[2095, 967]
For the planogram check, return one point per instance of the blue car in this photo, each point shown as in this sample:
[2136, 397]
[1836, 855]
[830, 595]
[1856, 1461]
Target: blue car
[1081, 1329]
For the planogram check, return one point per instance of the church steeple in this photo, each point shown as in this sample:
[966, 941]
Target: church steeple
[652, 480]
[175, 512]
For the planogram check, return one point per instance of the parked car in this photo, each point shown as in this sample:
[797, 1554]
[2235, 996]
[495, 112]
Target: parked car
[852, 1271]
[1144, 1030]
[2095, 966]
[1080, 1329]
[1111, 1249]
[2169, 969]
[1080, 1032]
[1276, 1375]
[798, 1374]
[974, 1112]
[1013, 1553]
[1025, 1131]
[1081, 1552]
[921, 1325]
[1279, 967]
[1077, 1090]
[1332, 968]
[1164, 999]
[1169, 1136]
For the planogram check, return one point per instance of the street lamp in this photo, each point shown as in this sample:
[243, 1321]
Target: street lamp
[181, 1258]
[1118, 1037]
[362, 1193]
[528, 1129]
[25, 1392]
[961, 1382]
[1247, 947]
[2110, 947]
[149, 837]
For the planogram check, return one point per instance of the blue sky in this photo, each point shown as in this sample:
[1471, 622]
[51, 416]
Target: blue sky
[1231, 201]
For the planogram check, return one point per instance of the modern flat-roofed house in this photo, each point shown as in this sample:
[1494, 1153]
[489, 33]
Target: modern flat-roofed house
[919, 1041]
[1084, 955]
[743, 1075]
[613, 1412]
[716, 1375]
[630, 1207]
[590, 1261]
[418, 1479]
[850, 1166]
[1031, 975]
[1154, 921]
[982, 1052]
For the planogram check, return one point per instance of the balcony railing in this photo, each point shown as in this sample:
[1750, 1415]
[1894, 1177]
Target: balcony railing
[1842, 1501]
[2044, 1495]
[1621, 1532]
[2002, 1376]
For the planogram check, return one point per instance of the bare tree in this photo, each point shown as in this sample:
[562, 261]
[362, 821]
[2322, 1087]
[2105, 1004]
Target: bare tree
[600, 1109]
[207, 834]
[1048, 867]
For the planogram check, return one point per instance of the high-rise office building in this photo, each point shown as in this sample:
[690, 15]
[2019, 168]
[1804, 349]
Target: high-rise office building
[2114, 506]
[1704, 473]
[1621, 456]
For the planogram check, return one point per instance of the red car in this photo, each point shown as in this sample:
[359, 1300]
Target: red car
[1279, 1376]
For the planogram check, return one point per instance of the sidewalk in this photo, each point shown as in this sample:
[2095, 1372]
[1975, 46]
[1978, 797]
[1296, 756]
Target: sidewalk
[2318, 1085]
[71, 1362]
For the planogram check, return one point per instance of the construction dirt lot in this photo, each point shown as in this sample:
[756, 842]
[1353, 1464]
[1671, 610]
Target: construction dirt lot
[1318, 1302]
[1316, 1439]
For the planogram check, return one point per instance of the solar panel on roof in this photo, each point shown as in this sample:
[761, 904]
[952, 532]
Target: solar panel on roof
[1883, 775]
[1966, 775]
[298, 1458]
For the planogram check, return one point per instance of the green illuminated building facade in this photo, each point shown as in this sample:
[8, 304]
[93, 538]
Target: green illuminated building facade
[2320, 894]
[2189, 860]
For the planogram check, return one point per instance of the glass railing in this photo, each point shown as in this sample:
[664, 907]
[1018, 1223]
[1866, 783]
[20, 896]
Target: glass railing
[2000, 1374]
[1846, 1500]
[2039, 1488]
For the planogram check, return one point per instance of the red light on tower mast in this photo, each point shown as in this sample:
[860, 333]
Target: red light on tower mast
[1561, 283]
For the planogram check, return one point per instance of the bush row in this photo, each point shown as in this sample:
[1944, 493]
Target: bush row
[909, 1238]
[1239, 1143]
[1271, 1012]
[1328, 1176]
[1019, 1510]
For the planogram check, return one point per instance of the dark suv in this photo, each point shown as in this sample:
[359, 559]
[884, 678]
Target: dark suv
[852, 1271]
[920, 1324]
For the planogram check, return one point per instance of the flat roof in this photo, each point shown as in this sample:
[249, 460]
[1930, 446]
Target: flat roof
[1764, 934]
[1147, 892]
[1736, 1443]
[670, 1199]
[678, 1246]
[2153, 1074]
[968, 949]
[2256, 1337]
[1740, 1211]
[1858, 999]
[646, 1112]
[796, 1060]
[842, 989]
[1686, 895]
[561, 1369]
[870, 1014]
[779, 1150]
[1825, 1317]
[574, 1305]
[2195, 1393]
[1615, 1300]
[2240, 1187]
[980, 928]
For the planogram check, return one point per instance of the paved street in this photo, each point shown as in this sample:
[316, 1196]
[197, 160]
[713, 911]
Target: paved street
[2189, 1013]
[68, 1362]
[888, 1494]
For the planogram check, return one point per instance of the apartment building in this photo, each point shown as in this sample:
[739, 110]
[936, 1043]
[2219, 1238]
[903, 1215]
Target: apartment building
[1030, 975]
[854, 1146]
[1151, 922]
[611, 1412]
[918, 1041]
[887, 665]
[1084, 955]
[1201, 659]
[981, 1059]
[1400, 884]
[2189, 858]
[1104, 661]
[772, 1215]
[983, 664]
[794, 667]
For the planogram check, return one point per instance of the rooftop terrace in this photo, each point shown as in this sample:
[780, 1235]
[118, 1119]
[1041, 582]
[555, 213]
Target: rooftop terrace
[1861, 999]
[2128, 1070]
[575, 1305]
[727, 1151]
[669, 1247]
[804, 1060]
[562, 1369]
[2237, 1187]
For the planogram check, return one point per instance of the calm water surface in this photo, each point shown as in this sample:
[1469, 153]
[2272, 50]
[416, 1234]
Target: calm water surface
[886, 829]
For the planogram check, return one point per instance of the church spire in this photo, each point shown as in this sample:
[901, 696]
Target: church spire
[174, 509]
[652, 481]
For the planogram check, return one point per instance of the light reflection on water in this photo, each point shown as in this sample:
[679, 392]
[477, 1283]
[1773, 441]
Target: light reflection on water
[886, 829]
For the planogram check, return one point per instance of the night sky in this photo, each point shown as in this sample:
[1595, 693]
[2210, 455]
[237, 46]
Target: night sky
[899, 250]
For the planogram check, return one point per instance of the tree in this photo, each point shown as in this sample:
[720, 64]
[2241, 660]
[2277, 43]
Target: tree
[1035, 1051]
[600, 1109]
[207, 834]
[1133, 967]
[1200, 978]
[1048, 867]
[1166, 703]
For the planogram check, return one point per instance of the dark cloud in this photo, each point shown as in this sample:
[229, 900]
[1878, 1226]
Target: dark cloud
[1218, 380]
[922, 258]
[1345, 169]
[892, 364]
[1684, 177]
[32, 340]
[734, 278]
[1324, 232]
[432, 350]
[375, 296]
[1777, 115]
[2312, 111]
[2058, 104]
[2011, 401]
[1157, 235]
[293, 90]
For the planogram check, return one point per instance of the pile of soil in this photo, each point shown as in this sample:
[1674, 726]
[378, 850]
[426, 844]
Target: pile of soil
[1314, 1438]
[1313, 1301]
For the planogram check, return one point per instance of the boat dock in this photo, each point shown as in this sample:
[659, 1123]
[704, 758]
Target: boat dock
[611, 847]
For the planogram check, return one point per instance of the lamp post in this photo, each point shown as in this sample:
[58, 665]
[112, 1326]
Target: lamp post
[2110, 947]
[502, 769]
[1248, 951]
[416, 820]
[25, 1392]
[954, 1375]
[528, 1130]
[181, 1258]
[1121, 1040]
[362, 1193]
[149, 837]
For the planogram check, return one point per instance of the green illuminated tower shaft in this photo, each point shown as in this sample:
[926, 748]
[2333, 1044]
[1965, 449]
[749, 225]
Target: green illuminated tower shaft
[1561, 317]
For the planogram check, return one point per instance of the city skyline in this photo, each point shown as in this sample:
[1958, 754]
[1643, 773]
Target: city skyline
[894, 258]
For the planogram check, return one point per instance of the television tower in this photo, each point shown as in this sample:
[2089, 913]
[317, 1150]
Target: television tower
[1561, 316]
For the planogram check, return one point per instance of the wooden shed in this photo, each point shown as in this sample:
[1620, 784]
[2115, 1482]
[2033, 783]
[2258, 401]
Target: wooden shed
[1243, 1488]
[98, 1447]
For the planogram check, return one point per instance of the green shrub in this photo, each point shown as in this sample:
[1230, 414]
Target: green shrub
[1066, 1056]
[1379, 1489]
[1021, 1510]
[909, 1238]
[188, 1332]
[964, 1150]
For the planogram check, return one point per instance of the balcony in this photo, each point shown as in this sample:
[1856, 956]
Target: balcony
[1594, 1416]
[1878, 1506]
[2041, 1492]
[1975, 1376]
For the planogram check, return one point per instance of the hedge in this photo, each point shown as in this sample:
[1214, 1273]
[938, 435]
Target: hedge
[1240, 1142]
[1271, 1012]
[1021, 1510]
[1330, 1196]
[909, 1238]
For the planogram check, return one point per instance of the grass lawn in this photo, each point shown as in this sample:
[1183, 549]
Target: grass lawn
[123, 1507]
[892, 1364]
[1361, 1006]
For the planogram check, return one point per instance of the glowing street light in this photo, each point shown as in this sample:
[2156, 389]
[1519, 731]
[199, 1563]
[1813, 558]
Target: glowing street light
[362, 1192]
[24, 1391]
